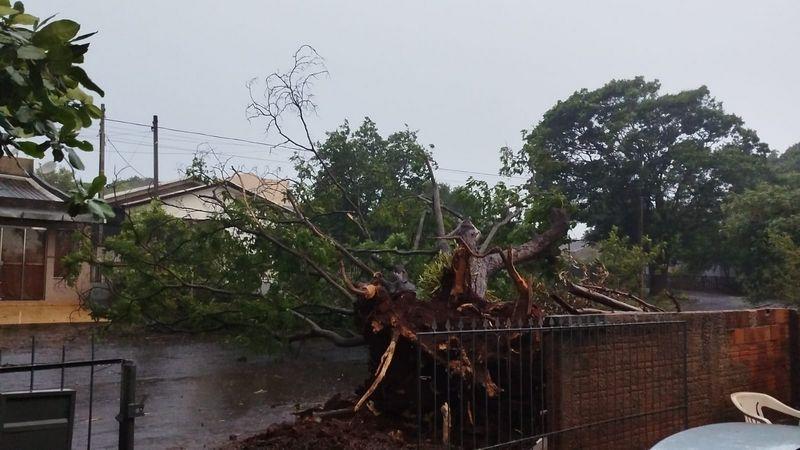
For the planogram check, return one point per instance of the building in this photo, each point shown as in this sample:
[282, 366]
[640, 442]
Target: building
[36, 232]
[194, 200]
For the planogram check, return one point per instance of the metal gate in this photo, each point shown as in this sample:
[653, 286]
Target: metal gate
[584, 385]
[41, 414]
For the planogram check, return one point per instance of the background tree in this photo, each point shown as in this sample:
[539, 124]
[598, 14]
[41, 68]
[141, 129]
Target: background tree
[651, 164]
[43, 105]
[762, 230]
[625, 260]
[62, 178]
[788, 162]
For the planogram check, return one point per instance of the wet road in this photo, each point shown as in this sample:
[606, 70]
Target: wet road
[711, 301]
[197, 391]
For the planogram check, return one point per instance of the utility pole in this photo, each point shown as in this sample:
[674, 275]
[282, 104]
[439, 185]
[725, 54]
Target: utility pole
[102, 169]
[155, 156]
[641, 240]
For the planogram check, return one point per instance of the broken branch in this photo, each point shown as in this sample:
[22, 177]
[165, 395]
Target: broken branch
[317, 331]
[597, 297]
[386, 360]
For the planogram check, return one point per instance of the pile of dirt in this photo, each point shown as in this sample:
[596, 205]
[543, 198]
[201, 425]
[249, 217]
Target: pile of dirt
[328, 429]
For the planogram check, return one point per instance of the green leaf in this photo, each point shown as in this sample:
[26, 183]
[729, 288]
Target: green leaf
[94, 111]
[29, 148]
[84, 36]
[43, 22]
[58, 154]
[16, 77]
[56, 33]
[74, 159]
[24, 19]
[80, 75]
[31, 52]
[97, 185]
[7, 11]
[25, 114]
[83, 145]
[100, 209]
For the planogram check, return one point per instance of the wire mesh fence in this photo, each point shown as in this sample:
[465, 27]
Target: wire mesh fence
[579, 386]
[28, 372]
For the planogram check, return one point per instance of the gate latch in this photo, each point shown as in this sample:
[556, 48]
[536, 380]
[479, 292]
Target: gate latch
[135, 409]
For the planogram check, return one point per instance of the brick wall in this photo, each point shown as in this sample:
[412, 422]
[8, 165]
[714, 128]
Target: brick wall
[600, 376]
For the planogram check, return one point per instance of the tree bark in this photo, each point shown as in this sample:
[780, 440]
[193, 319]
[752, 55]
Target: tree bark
[436, 206]
[482, 268]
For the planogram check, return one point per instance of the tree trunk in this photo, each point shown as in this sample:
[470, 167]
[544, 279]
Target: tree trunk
[479, 269]
[658, 279]
[483, 268]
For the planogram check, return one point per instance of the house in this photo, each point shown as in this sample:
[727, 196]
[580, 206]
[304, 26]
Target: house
[36, 232]
[190, 199]
[194, 200]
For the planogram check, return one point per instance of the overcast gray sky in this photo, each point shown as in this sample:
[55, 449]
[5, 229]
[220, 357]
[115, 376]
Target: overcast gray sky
[468, 75]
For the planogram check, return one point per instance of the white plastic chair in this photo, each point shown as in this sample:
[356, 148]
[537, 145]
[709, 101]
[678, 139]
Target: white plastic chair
[751, 404]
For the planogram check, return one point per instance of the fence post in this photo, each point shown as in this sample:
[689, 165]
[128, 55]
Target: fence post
[127, 397]
[794, 356]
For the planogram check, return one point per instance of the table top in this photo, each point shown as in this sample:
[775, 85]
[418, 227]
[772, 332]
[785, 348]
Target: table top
[734, 436]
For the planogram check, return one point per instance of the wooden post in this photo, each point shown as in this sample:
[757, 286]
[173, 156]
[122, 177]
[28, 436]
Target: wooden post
[99, 228]
[102, 155]
[155, 156]
[127, 398]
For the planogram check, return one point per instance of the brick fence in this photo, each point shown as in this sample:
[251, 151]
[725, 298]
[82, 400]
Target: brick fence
[725, 352]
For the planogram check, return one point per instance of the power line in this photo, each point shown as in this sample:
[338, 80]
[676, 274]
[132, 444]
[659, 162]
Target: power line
[123, 157]
[264, 144]
[215, 136]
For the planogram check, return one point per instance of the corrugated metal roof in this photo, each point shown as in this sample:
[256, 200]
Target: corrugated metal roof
[22, 188]
[41, 214]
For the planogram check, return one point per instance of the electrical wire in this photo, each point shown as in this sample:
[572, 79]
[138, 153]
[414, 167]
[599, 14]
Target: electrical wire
[264, 144]
[123, 157]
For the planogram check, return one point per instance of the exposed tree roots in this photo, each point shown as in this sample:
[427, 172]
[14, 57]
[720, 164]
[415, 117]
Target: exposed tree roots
[467, 372]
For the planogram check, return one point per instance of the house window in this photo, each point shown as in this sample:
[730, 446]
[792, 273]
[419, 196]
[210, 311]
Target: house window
[22, 263]
[64, 245]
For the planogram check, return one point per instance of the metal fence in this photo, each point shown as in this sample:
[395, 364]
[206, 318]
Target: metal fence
[33, 376]
[578, 386]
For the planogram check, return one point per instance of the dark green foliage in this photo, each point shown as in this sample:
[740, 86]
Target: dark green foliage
[43, 105]
[625, 260]
[62, 179]
[626, 150]
[128, 183]
[181, 276]
[762, 230]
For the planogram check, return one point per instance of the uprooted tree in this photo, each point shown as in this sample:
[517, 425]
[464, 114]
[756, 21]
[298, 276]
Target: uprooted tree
[336, 245]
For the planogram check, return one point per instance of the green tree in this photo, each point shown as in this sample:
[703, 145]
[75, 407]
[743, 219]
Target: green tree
[762, 230]
[124, 184]
[788, 163]
[625, 260]
[43, 105]
[206, 278]
[627, 155]
[62, 178]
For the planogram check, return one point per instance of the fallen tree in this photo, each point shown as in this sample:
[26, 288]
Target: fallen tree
[339, 245]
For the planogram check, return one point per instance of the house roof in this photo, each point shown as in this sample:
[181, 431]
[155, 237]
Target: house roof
[270, 190]
[24, 188]
[581, 250]
[23, 196]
